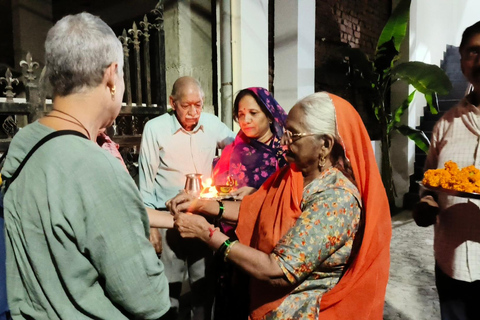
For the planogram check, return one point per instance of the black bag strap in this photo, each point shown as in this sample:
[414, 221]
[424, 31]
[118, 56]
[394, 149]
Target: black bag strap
[9, 181]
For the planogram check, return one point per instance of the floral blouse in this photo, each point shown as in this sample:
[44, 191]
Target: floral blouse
[315, 250]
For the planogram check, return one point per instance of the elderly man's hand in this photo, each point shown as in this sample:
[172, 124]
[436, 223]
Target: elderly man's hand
[156, 240]
[182, 202]
[425, 211]
[192, 226]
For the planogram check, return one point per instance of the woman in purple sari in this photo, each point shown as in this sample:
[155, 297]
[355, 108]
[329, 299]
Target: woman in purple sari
[256, 152]
[250, 159]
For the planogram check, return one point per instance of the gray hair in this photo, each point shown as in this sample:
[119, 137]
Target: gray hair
[78, 49]
[183, 82]
[320, 116]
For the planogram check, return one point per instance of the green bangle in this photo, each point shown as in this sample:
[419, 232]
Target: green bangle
[224, 246]
[220, 210]
[228, 248]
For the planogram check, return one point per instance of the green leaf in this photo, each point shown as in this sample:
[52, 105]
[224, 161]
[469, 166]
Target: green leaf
[426, 78]
[432, 102]
[397, 118]
[418, 136]
[396, 26]
[385, 56]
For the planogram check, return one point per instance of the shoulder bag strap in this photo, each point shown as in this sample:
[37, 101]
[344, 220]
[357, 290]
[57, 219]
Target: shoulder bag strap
[8, 181]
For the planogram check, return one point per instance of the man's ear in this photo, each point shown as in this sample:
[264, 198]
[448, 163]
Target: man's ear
[172, 103]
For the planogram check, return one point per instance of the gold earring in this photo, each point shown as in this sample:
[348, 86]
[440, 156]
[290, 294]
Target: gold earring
[322, 162]
[112, 91]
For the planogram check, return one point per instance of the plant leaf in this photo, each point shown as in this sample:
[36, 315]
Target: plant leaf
[396, 26]
[432, 102]
[418, 136]
[385, 56]
[426, 78]
[397, 117]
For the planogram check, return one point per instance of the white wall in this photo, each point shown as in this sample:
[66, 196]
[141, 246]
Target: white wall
[432, 28]
[249, 44]
[434, 24]
[294, 51]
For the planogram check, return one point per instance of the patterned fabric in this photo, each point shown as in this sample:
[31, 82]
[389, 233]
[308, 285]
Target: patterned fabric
[249, 161]
[313, 253]
[456, 137]
[360, 294]
[106, 143]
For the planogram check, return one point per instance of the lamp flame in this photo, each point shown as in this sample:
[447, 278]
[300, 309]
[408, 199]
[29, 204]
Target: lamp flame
[209, 191]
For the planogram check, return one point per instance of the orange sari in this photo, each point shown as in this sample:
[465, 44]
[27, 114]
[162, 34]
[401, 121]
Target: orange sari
[268, 214]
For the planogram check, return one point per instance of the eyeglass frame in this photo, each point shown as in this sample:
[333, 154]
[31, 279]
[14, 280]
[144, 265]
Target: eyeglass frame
[289, 140]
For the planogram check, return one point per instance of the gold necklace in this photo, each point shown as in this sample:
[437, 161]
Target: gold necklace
[78, 123]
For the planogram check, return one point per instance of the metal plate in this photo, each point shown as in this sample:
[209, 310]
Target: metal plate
[225, 197]
[471, 195]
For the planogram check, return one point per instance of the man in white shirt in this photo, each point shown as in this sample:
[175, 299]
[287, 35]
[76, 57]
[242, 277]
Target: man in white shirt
[174, 144]
[456, 137]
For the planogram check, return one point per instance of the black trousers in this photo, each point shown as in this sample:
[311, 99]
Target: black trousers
[459, 300]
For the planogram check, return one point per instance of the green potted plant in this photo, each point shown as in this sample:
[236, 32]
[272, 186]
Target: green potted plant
[373, 77]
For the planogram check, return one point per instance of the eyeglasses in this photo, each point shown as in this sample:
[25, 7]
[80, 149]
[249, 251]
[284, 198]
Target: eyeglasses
[289, 137]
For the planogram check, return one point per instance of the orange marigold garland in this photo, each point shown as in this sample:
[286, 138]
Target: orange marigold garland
[466, 179]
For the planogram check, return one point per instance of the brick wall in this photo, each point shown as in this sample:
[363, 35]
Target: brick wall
[357, 23]
[341, 23]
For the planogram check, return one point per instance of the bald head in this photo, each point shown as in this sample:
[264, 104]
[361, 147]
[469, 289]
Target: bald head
[183, 84]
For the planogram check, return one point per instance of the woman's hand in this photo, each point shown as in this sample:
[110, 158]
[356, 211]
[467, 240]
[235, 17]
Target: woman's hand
[425, 211]
[182, 202]
[242, 192]
[192, 226]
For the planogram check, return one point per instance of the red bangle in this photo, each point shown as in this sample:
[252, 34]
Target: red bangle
[212, 231]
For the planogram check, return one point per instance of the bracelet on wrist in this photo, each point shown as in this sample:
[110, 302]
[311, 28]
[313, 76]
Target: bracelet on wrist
[228, 249]
[212, 231]
[224, 246]
[221, 209]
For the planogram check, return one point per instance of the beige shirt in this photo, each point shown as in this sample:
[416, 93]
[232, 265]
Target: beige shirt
[168, 152]
[457, 230]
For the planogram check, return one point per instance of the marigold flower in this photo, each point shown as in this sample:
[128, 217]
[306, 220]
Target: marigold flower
[451, 177]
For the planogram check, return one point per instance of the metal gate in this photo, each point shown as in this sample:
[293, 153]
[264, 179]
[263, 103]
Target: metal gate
[145, 88]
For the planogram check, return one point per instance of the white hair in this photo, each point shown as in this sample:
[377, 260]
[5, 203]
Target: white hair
[320, 116]
[78, 49]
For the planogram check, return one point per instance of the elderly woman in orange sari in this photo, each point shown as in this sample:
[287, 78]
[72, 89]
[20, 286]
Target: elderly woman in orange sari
[315, 237]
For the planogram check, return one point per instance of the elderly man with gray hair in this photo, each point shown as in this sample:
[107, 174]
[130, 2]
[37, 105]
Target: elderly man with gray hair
[76, 228]
[175, 144]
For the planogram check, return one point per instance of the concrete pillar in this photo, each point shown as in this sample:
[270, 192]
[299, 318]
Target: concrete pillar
[31, 21]
[249, 44]
[188, 45]
[294, 51]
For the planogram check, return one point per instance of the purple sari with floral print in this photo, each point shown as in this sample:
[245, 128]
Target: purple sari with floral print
[249, 161]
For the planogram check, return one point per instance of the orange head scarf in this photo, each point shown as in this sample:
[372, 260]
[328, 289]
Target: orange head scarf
[268, 214]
